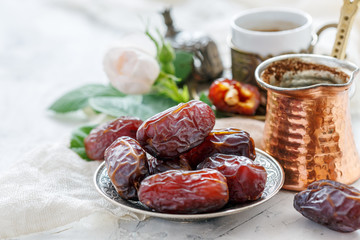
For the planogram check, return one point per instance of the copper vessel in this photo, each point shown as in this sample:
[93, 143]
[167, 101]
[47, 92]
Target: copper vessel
[308, 126]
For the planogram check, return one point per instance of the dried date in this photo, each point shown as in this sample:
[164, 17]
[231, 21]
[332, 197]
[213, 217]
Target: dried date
[176, 130]
[157, 165]
[177, 191]
[126, 163]
[102, 136]
[332, 204]
[246, 179]
[229, 140]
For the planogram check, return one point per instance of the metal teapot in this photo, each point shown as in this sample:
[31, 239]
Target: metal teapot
[207, 61]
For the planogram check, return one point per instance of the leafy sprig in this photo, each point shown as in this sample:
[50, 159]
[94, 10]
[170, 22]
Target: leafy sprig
[167, 82]
[166, 85]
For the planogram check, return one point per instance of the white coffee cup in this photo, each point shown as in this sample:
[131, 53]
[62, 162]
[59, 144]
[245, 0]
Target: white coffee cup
[272, 31]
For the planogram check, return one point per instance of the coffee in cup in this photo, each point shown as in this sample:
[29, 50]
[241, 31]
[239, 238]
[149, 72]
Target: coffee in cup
[260, 33]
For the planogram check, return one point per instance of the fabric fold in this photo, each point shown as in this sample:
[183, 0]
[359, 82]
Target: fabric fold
[51, 186]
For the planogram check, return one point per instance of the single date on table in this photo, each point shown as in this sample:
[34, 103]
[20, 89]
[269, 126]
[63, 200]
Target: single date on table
[330, 203]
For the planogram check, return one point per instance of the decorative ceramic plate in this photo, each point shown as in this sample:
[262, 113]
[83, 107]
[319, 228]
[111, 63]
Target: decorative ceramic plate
[275, 180]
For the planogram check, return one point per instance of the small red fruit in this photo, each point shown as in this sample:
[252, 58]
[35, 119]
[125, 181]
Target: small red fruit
[235, 97]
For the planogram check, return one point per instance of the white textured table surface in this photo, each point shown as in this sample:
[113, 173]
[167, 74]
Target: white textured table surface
[50, 47]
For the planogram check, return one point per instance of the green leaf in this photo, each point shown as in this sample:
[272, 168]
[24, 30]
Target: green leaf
[82, 153]
[115, 106]
[168, 67]
[220, 114]
[125, 106]
[183, 64]
[203, 97]
[78, 98]
[77, 140]
[185, 93]
[139, 106]
[158, 103]
[166, 85]
[167, 53]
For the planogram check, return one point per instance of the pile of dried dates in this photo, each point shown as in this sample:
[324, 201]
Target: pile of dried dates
[175, 162]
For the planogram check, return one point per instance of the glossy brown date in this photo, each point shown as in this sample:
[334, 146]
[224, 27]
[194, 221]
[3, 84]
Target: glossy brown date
[332, 204]
[126, 163]
[177, 191]
[102, 136]
[246, 179]
[176, 130]
[229, 140]
[157, 165]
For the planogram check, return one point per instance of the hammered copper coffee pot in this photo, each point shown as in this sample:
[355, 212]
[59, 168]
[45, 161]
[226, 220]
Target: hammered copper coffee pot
[308, 126]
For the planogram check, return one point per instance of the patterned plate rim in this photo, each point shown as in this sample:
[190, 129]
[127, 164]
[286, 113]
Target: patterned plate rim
[128, 205]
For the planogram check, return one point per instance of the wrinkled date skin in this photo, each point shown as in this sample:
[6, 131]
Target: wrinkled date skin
[102, 136]
[232, 96]
[229, 140]
[126, 163]
[177, 191]
[246, 179]
[332, 204]
[159, 166]
[176, 130]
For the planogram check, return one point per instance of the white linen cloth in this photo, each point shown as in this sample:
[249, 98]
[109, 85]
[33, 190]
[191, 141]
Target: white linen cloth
[51, 187]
